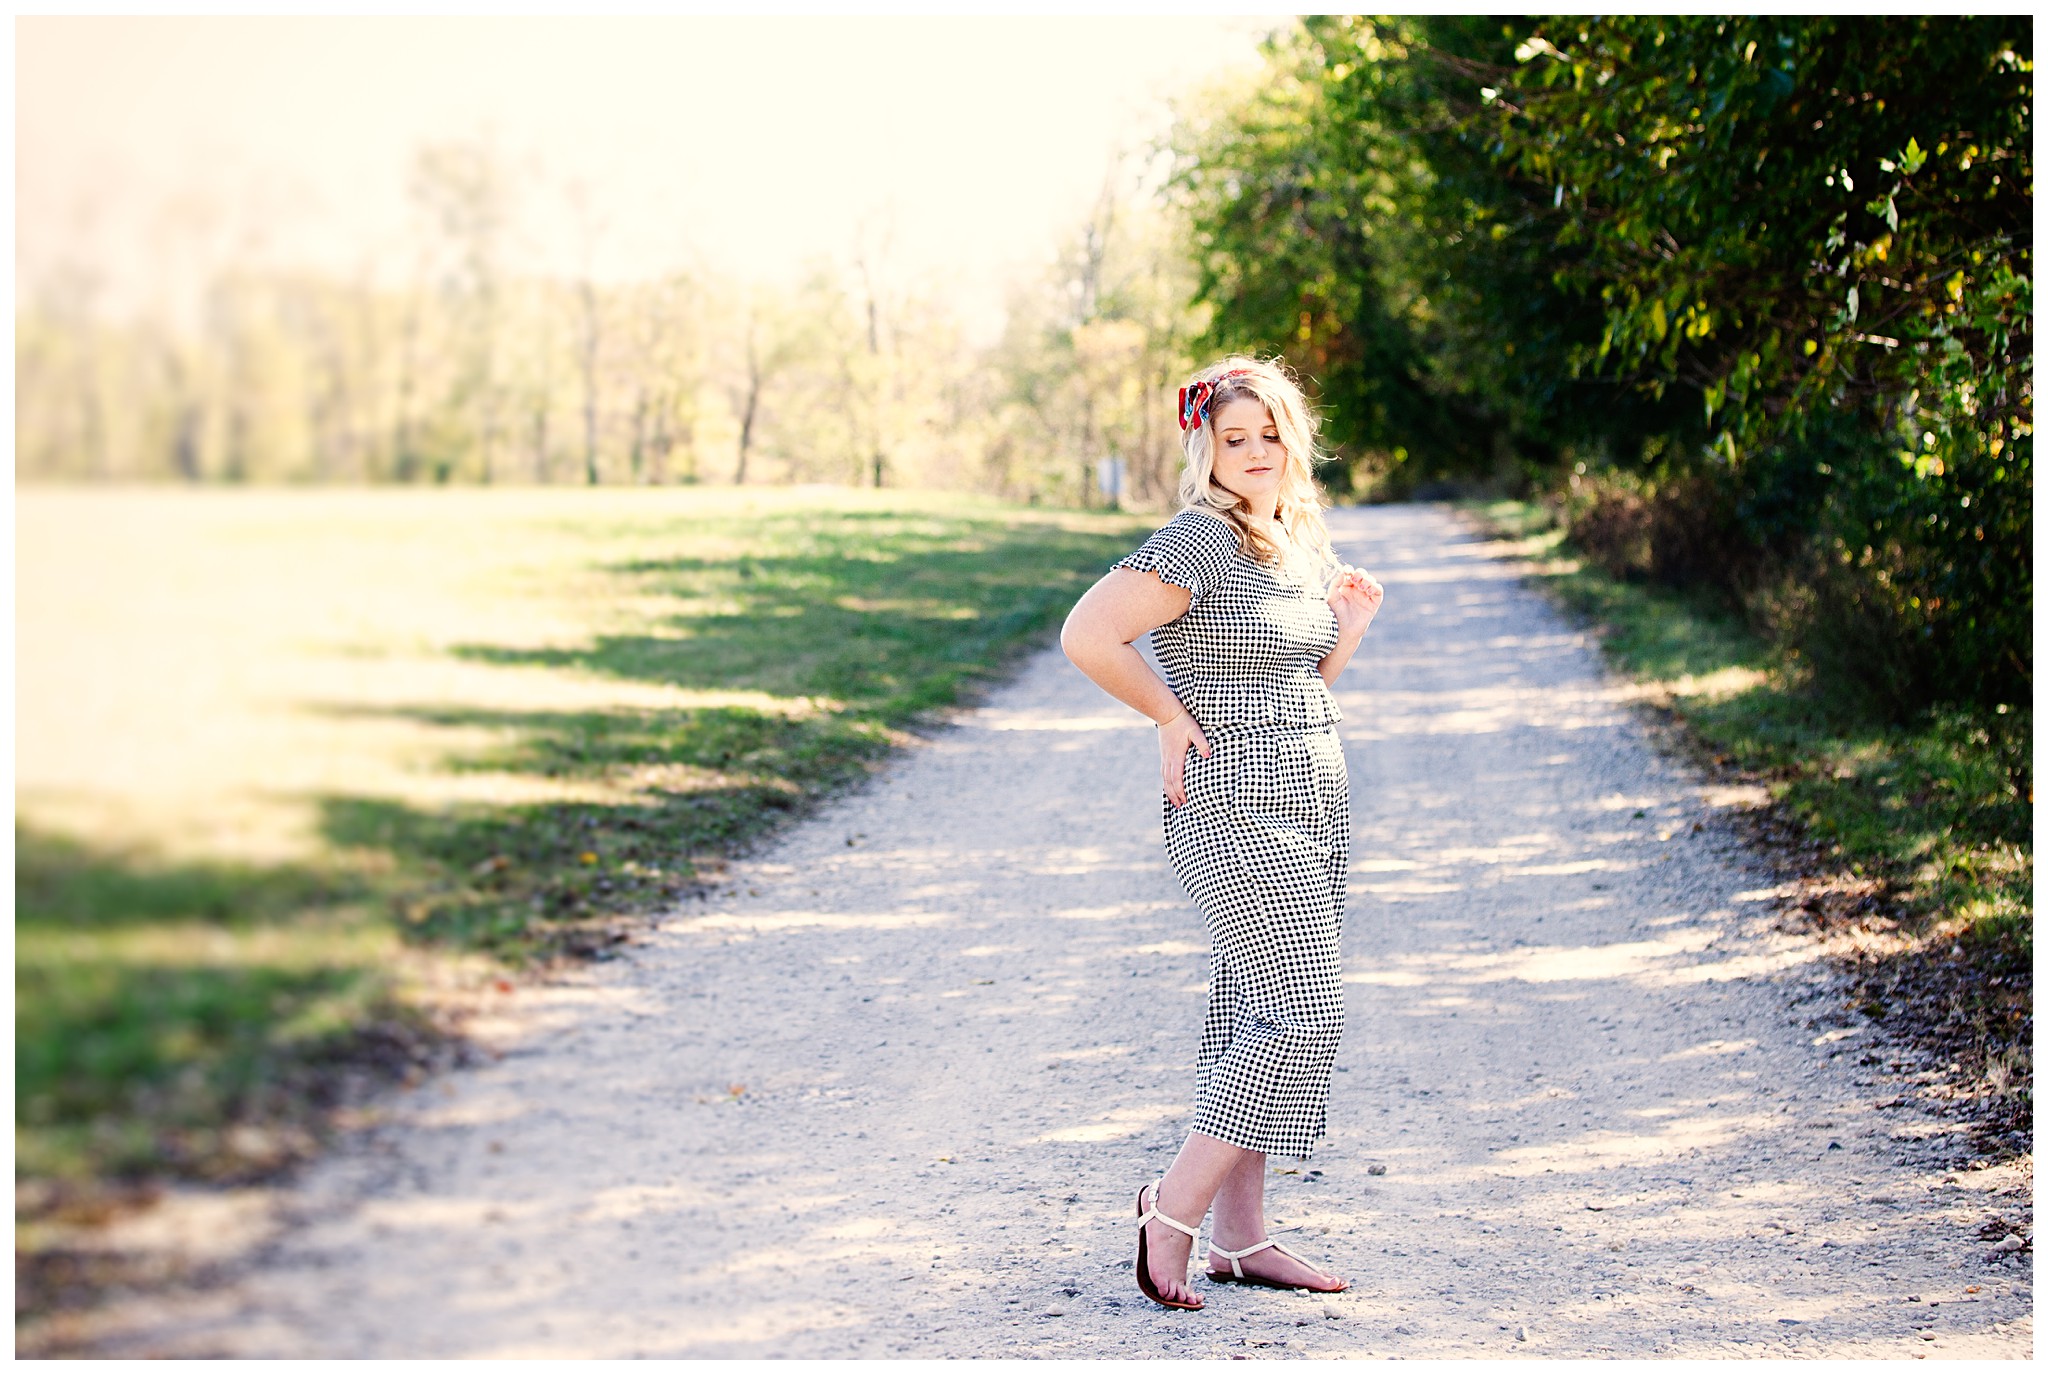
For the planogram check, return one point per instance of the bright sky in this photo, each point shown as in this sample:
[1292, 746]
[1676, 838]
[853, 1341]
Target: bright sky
[747, 144]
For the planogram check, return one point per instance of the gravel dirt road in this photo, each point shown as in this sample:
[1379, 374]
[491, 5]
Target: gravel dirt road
[890, 1091]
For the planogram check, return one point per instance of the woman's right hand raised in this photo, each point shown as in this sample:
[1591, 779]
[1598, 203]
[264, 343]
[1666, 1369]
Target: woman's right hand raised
[1174, 738]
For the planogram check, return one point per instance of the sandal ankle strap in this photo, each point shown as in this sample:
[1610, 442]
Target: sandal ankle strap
[1233, 1255]
[1155, 1214]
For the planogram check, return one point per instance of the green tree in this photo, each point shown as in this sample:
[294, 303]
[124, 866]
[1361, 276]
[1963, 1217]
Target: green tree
[1350, 215]
[1823, 226]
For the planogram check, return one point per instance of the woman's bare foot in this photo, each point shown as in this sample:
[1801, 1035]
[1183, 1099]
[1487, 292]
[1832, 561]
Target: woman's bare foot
[1280, 1267]
[1166, 1257]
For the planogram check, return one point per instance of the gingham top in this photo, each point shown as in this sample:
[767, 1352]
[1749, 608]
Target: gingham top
[1245, 653]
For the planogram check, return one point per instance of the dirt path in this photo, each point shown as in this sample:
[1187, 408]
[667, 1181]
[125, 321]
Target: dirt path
[891, 1093]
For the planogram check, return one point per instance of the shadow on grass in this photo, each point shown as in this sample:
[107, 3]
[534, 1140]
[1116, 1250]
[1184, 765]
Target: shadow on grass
[188, 1018]
[884, 614]
[63, 883]
[680, 789]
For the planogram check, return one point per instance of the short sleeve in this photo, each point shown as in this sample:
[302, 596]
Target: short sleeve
[1194, 551]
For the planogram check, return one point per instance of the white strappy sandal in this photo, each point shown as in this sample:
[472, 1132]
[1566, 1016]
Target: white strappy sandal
[1144, 1273]
[1238, 1275]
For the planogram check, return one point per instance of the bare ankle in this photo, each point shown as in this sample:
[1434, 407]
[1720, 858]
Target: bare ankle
[1232, 1235]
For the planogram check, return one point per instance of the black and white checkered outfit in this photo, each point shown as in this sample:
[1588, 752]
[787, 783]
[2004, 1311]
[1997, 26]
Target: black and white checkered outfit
[1263, 842]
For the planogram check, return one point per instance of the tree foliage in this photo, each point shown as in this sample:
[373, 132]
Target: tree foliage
[1777, 269]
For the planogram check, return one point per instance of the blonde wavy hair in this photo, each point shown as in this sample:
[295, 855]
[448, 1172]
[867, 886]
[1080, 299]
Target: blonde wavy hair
[1294, 537]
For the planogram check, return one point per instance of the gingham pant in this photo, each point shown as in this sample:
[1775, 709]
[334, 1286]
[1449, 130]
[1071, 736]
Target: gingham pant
[1262, 846]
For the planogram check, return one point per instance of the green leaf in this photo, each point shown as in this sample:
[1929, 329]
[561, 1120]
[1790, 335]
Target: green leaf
[1913, 158]
[1853, 302]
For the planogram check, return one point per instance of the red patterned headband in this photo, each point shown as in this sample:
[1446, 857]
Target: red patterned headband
[1194, 398]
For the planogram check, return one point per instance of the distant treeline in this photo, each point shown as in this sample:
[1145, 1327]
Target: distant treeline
[460, 370]
[1751, 296]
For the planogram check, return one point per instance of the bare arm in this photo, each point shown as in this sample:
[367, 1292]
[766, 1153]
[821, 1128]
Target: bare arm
[1110, 616]
[1333, 662]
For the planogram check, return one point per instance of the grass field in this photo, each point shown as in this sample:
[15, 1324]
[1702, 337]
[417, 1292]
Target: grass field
[1923, 834]
[282, 754]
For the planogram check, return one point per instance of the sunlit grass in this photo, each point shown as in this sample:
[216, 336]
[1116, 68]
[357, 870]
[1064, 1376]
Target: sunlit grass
[277, 747]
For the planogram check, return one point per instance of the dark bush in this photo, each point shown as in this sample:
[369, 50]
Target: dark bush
[1682, 531]
[1841, 618]
[1610, 523]
[1695, 536]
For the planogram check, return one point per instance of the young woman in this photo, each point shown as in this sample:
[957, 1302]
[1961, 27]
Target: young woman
[1254, 619]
